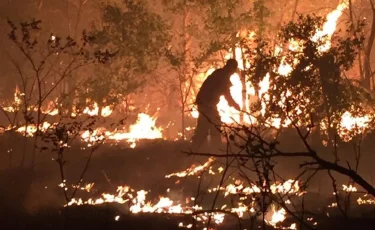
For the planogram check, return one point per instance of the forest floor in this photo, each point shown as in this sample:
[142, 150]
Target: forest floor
[40, 206]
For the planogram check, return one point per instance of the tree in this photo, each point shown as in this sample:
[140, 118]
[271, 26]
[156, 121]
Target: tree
[139, 36]
[49, 62]
[356, 15]
[203, 30]
[317, 83]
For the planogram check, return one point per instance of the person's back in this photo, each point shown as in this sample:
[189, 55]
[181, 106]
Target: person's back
[213, 87]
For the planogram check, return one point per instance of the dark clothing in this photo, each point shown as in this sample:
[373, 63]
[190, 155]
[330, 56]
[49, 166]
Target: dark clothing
[216, 85]
[208, 122]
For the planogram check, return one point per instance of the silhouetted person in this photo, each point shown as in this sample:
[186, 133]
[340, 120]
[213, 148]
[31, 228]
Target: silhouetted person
[216, 85]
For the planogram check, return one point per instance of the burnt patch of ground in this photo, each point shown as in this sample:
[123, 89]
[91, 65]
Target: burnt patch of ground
[104, 217]
[91, 217]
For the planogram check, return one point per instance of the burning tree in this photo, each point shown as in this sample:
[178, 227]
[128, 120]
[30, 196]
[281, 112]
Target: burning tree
[307, 91]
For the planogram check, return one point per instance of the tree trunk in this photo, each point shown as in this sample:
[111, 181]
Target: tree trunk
[100, 108]
[261, 18]
[186, 66]
[367, 55]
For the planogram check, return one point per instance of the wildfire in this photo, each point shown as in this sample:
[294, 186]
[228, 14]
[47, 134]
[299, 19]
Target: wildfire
[349, 188]
[86, 188]
[193, 170]
[365, 200]
[277, 216]
[229, 115]
[353, 125]
[274, 217]
[144, 128]
[288, 187]
[94, 110]
[330, 26]
[31, 129]
[137, 203]
[16, 103]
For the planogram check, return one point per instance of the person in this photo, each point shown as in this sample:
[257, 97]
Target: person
[216, 85]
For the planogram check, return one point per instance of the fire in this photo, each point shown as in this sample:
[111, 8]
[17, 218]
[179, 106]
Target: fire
[353, 125]
[94, 136]
[288, 187]
[137, 203]
[330, 26]
[349, 188]
[17, 101]
[94, 111]
[51, 108]
[86, 188]
[242, 209]
[276, 216]
[144, 128]
[230, 115]
[193, 170]
[365, 200]
[31, 128]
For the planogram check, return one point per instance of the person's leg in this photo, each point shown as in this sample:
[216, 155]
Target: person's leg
[215, 128]
[201, 131]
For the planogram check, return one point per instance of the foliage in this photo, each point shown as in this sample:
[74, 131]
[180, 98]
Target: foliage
[50, 60]
[317, 87]
[139, 36]
[315, 90]
[59, 137]
[42, 56]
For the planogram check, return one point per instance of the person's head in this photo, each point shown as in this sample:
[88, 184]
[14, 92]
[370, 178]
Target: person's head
[231, 66]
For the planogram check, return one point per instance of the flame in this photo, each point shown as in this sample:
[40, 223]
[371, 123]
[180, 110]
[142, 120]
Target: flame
[361, 201]
[193, 170]
[94, 110]
[274, 217]
[329, 26]
[349, 188]
[17, 101]
[86, 187]
[288, 187]
[353, 125]
[51, 108]
[137, 203]
[228, 114]
[32, 128]
[277, 216]
[144, 128]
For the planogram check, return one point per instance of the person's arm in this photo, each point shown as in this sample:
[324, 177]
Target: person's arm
[229, 98]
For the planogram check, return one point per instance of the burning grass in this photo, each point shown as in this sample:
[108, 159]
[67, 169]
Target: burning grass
[237, 199]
